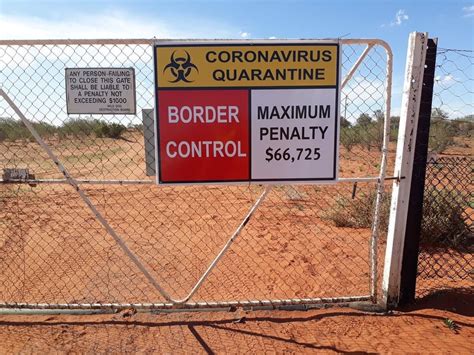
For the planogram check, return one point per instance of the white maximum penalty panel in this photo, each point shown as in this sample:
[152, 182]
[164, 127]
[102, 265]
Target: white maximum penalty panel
[294, 134]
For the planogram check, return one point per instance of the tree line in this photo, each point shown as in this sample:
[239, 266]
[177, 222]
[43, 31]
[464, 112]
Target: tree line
[367, 130]
[14, 130]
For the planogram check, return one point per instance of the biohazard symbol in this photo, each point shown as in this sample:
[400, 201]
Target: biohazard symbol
[180, 67]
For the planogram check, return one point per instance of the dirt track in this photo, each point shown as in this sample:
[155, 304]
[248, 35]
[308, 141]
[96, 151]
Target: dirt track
[419, 330]
[64, 255]
[53, 250]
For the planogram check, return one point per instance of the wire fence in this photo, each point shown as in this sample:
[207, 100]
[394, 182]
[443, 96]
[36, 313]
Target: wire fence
[304, 242]
[454, 82]
[446, 257]
[447, 242]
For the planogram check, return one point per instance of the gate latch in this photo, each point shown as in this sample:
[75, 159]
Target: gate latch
[16, 175]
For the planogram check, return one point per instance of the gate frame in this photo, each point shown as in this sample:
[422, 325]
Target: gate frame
[415, 208]
[405, 159]
[171, 303]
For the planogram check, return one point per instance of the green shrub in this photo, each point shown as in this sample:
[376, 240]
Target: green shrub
[443, 225]
[12, 130]
[441, 136]
[116, 130]
[444, 222]
[101, 130]
[357, 212]
[44, 129]
[349, 137]
[367, 132]
[364, 120]
[365, 135]
[464, 126]
[77, 127]
[345, 123]
[394, 123]
[87, 127]
[376, 134]
[109, 130]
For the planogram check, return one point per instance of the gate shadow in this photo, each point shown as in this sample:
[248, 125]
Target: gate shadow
[338, 331]
[456, 300]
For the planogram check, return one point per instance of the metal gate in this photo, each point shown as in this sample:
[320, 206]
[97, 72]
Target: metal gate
[82, 224]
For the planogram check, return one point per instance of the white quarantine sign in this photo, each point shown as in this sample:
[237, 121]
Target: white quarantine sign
[294, 134]
[258, 112]
[100, 91]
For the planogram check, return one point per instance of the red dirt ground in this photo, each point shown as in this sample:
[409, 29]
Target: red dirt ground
[421, 329]
[53, 250]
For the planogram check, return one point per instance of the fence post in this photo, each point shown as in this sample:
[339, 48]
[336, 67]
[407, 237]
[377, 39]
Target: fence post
[417, 45]
[415, 205]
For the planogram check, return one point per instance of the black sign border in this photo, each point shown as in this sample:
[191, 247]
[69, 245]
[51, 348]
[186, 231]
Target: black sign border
[331, 179]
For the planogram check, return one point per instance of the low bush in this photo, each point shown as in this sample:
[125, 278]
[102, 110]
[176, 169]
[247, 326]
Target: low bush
[109, 130]
[444, 223]
[77, 127]
[357, 212]
[394, 123]
[87, 127]
[45, 129]
[465, 126]
[13, 130]
[441, 136]
[349, 137]
[366, 132]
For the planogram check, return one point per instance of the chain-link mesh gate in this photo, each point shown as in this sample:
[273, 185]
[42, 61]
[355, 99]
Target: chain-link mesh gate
[304, 244]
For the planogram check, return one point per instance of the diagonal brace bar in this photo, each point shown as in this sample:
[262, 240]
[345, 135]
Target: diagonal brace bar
[84, 197]
[227, 245]
[112, 232]
[356, 65]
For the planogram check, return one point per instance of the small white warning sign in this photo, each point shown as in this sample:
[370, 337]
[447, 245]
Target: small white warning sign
[100, 91]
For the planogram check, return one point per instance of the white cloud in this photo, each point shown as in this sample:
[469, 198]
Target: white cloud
[29, 88]
[400, 16]
[109, 25]
[362, 95]
[445, 80]
[395, 111]
[272, 37]
[468, 11]
[244, 34]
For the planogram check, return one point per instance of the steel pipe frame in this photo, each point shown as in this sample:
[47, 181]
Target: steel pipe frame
[69, 180]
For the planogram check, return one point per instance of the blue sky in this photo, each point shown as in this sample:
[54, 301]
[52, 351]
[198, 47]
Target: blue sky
[452, 21]
[392, 21]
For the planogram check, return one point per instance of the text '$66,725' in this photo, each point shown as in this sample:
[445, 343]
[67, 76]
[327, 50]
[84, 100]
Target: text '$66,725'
[292, 155]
